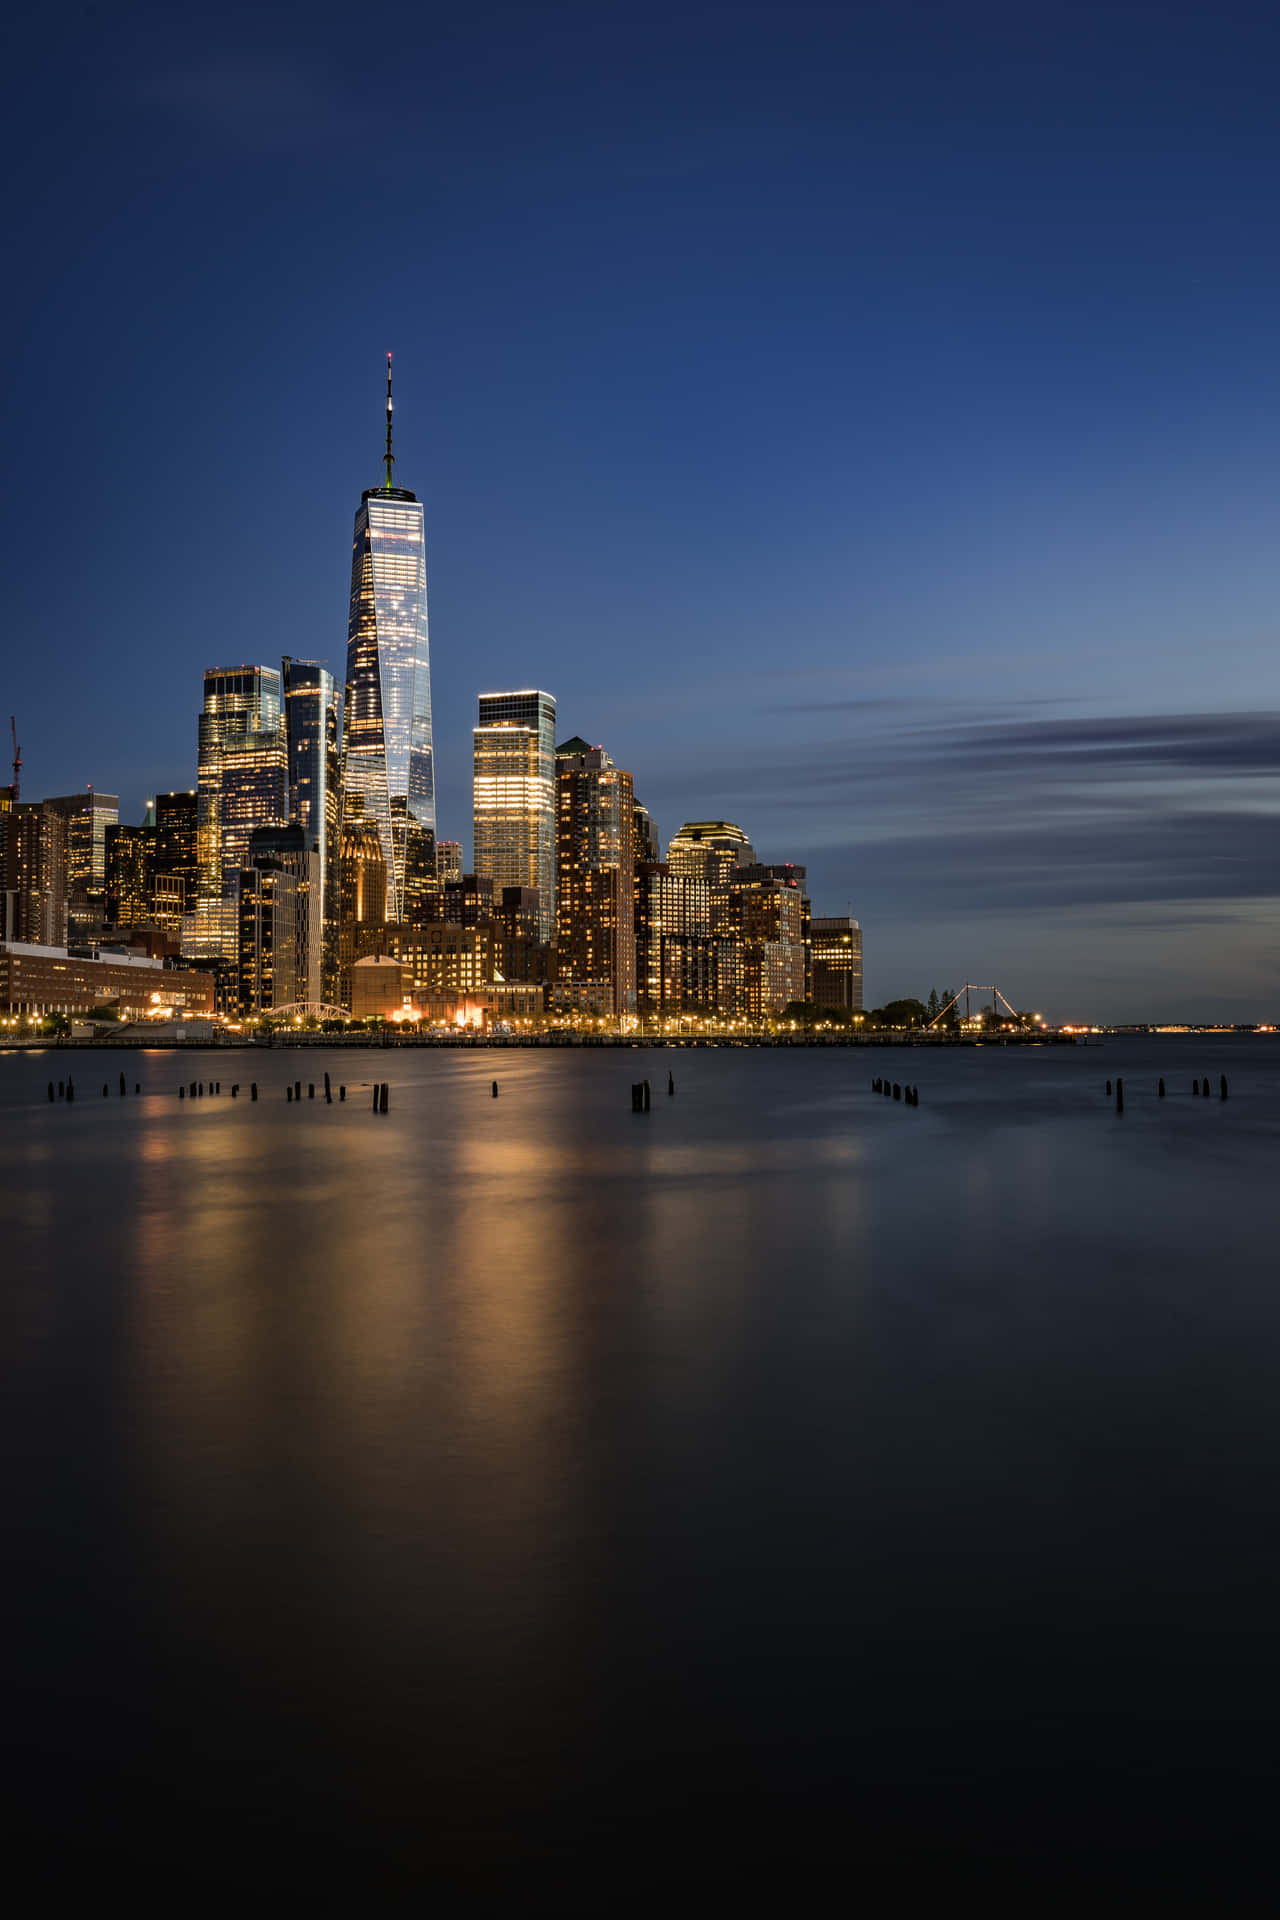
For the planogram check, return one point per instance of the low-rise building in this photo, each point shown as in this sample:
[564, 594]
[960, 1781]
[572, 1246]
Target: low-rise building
[36, 979]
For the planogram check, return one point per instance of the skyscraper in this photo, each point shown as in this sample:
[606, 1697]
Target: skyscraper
[130, 875]
[311, 732]
[243, 776]
[291, 853]
[86, 817]
[387, 749]
[837, 962]
[708, 850]
[362, 887]
[174, 867]
[595, 874]
[513, 795]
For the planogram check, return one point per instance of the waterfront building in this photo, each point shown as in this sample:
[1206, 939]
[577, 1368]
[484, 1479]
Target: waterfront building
[709, 850]
[311, 737]
[513, 795]
[766, 912]
[836, 948]
[380, 987]
[441, 957]
[129, 875]
[595, 873]
[39, 979]
[449, 860]
[675, 952]
[174, 864]
[387, 740]
[293, 851]
[242, 783]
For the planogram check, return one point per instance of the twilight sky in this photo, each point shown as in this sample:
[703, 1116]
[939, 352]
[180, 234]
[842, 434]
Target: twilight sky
[864, 419]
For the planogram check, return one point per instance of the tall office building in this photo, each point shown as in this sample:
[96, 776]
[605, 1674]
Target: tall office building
[513, 795]
[86, 817]
[130, 875]
[836, 964]
[268, 910]
[362, 887]
[386, 747]
[243, 783]
[595, 874]
[292, 851]
[708, 850]
[311, 733]
[174, 867]
[33, 875]
[449, 860]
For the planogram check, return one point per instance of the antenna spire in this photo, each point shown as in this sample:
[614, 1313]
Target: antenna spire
[389, 457]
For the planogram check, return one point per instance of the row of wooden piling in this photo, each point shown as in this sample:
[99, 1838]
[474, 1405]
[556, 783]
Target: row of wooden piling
[1199, 1088]
[910, 1096]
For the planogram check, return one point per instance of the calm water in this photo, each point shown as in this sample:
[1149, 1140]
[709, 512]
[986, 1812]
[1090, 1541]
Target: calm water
[496, 1492]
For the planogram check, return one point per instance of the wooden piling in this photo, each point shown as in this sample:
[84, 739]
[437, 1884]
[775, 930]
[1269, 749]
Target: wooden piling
[123, 1088]
[1223, 1085]
[52, 1095]
[253, 1089]
[386, 1090]
[1119, 1096]
[671, 1083]
[342, 1093]
[494, 1090]
[288, 1094]
[1160, 1088]
[311, 1089]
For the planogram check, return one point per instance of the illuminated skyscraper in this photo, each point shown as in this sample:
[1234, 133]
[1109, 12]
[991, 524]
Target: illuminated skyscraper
[311, 731]
[362, 887]
[174, 868]
[708, 850]
[837, 962]
[595, 875]
[513, 795]
[86, 817]
[386, 749]
[130, 873]
[243, 776]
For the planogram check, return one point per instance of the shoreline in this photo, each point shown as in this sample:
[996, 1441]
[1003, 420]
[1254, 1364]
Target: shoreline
[150, 1043]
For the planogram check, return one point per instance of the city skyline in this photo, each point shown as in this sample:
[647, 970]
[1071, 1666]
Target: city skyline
[942, 549]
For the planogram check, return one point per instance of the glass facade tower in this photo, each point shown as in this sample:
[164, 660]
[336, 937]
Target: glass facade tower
[311, 732]
[243, 783]
[513, 796]
[387, 745]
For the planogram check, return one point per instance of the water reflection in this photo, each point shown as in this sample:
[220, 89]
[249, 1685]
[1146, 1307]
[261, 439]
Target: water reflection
[519, 1466]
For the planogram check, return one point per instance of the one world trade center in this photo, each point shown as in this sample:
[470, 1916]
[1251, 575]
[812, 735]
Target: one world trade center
[387, 764]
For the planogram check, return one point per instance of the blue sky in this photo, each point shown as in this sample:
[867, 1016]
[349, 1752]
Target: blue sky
[864, 419]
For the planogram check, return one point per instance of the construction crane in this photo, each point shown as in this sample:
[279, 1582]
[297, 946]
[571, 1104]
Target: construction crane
[17, 757]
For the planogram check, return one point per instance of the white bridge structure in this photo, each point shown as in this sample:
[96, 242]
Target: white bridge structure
[306, 1010]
